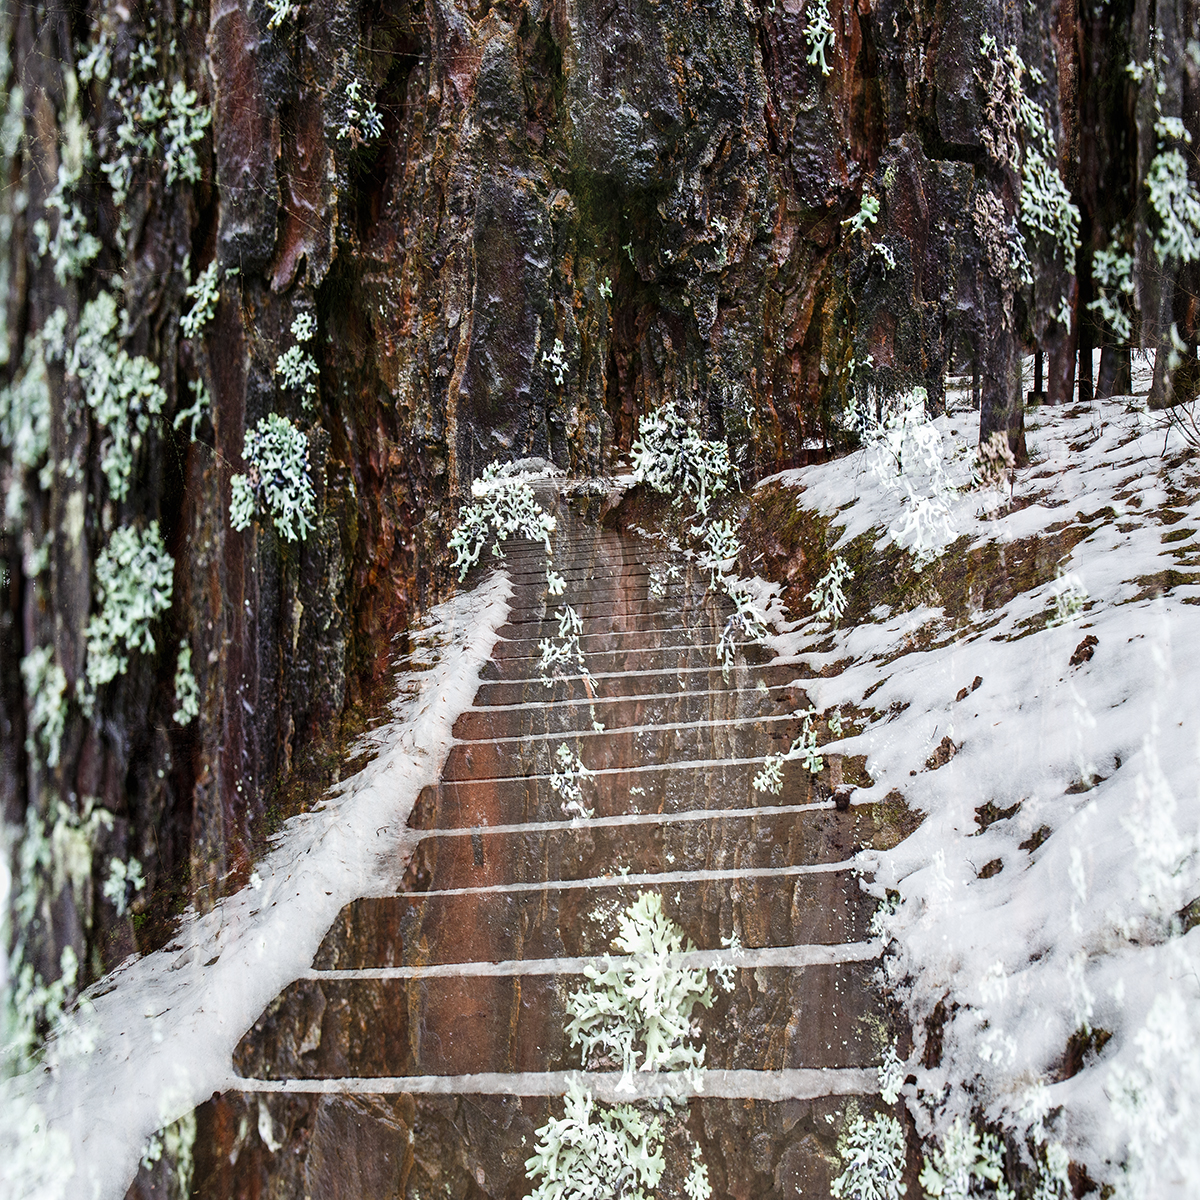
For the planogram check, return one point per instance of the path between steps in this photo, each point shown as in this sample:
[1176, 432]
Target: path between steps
[456, 985]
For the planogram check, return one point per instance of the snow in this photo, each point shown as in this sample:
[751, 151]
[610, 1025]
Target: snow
[163, 1028]
[1077, 933]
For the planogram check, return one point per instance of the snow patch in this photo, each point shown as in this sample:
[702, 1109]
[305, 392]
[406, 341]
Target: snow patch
[164, 1027]
[1065, 971]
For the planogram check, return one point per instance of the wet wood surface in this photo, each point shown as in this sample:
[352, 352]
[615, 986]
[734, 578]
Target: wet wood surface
[513, 888]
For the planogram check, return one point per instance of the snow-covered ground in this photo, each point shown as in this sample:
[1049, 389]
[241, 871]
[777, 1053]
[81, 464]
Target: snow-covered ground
[159, 1033]
[1073, 930]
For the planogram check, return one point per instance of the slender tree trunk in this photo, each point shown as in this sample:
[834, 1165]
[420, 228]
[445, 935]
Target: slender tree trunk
[1002, 409]
[1115, 377]
[1084, 335]
[1061, 371]
[1175, 377]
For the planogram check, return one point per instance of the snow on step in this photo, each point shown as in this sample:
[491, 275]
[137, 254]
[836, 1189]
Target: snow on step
[525, 641]
[611, 1087]
[513, 660]
[622, 684]
[652, 879]
[741, 960]
[667, 788]
[585, 824]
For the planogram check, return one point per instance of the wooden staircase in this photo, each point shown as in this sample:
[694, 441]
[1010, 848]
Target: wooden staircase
[456, 986]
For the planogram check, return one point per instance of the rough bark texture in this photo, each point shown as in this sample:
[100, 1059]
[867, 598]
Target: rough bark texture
[660, 186]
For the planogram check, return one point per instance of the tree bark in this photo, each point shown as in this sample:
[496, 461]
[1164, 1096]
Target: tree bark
[1003, 409]
[1116, 372]
[1084, 335]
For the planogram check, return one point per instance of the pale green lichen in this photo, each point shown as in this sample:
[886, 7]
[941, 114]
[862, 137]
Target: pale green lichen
[363, 121]
[201, 404]
[868, 214]
[594, 1152]
[242, 505]
[187, 121]
[1174, 198]
[966, 1164]
[556, 360]
[65, 237]
[58, 852]
[1173, 195]
[204, 295]
[639, 1012]
[1154, 1096]
[1046, 204]
[38, 1006]
[565, 650]
[276, 455]
[696, 1186]
[53, 855]
[568, 780]
[25, 413]
[157, 126]
[1003, 245]
[95, 60]
[187, 693]
[296, 367]
[746, 621]
[804, 747]
[872, 1154]
[134, 579]
[770, 778]
[125, 880]
[1070, 596]
[280, 11]
[1112, 272]
[69, 244]
[122, 390]
[673, 459]
[892, 1071]
[175, 1143]
[903, 448]
[721, 547]
[828, 598]
[1016, 134]
[671, 456]
[818, 33]
[25, 422]
[46, 689]
[505, 506]
[12, 199]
